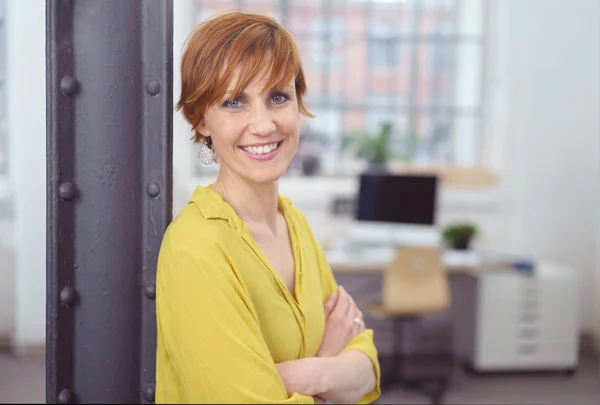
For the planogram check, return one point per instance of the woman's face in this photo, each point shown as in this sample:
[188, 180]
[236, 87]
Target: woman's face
[255, 135]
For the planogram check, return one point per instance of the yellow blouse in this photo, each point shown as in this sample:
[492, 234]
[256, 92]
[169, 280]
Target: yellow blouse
[224, 316]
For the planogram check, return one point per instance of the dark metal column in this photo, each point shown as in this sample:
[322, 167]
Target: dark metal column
[109, 120]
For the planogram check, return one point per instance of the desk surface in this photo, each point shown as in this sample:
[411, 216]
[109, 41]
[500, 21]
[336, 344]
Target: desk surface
[377, 260]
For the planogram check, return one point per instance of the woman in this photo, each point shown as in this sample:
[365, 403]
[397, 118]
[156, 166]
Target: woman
[248, 310]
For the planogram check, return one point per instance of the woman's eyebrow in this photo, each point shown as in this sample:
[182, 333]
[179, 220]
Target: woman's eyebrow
[242, 94]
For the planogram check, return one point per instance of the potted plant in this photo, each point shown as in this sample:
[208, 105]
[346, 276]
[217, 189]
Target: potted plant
[375, 148]
[459, 236]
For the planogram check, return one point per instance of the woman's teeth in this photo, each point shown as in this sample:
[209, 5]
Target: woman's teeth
[261, 150]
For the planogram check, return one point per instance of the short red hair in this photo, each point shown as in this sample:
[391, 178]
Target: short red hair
[226, 41]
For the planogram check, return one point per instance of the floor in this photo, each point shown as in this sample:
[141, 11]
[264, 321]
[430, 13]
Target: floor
[23, 382]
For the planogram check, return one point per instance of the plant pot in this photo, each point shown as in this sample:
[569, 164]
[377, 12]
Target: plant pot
[376, 168]
[310, 166]
[461, 243]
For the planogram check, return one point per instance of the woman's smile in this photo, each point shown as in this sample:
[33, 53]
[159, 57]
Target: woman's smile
[262, 151]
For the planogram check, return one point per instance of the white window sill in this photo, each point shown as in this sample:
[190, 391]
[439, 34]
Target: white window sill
[317, 193]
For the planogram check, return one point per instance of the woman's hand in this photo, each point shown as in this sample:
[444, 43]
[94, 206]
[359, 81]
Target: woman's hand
[340, 313]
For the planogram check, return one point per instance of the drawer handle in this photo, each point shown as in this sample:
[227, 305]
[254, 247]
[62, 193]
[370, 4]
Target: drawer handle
[531, 292]
[529, 318]
[528, 349]
[530, 305]
[529, 333]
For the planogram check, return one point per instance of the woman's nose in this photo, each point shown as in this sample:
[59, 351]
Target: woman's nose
[261, 121]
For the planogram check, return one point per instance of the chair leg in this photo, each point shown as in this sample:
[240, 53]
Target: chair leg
[434, 390]
[398, 357]
[395, 358]
[437, 396]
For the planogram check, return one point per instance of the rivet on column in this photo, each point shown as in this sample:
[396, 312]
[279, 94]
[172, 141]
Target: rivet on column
[149, 393]
[65, 397]
[67, 296]
[68, 85]
[153, 87]
[66, 191]
[150, 291]
[153, 190]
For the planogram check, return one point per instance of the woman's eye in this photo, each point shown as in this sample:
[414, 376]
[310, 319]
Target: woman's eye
[233, 103]
[279, 98]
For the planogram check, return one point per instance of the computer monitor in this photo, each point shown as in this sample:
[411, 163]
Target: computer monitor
[397, 199]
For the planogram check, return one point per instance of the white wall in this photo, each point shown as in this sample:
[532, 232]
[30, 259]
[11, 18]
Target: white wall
[551, 146]
[27, 128]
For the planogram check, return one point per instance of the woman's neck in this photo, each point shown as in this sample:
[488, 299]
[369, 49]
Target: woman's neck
[255, 204]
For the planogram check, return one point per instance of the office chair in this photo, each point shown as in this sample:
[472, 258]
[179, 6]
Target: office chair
[415, 285]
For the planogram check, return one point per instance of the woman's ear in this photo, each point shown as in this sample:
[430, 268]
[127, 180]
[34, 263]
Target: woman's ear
[201, 128]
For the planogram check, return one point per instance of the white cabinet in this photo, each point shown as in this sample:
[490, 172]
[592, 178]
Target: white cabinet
[526, 322]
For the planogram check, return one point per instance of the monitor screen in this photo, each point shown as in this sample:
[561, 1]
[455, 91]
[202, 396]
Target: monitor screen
[406, 199]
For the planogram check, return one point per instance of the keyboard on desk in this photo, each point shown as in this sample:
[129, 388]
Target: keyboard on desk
[384, 255]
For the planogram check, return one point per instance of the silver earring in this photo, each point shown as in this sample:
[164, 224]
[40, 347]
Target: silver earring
[206, 156]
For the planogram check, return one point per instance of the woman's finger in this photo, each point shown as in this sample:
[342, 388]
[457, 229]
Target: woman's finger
[342, 304]
[330, 304]
[352, 308]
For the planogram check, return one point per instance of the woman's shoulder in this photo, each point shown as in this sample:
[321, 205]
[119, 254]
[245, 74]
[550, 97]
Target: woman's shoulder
[190, 228]
[194, 247]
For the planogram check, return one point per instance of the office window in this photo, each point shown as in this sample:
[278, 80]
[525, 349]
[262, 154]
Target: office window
[417, 64]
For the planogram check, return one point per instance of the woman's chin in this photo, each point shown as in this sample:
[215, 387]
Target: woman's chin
[265, 175]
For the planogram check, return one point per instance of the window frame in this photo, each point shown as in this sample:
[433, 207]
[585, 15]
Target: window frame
[411, 109]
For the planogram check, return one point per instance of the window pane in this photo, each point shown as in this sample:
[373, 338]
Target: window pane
[271, 8]
[207, 8]
[354, 76]
[391, 18]
[312, 72]
[432, 132]
[468, 75]
[437, 17]
[450, 17]
[393, 81]
[435, 73]
[447, 138]
[471, 17]
[327, 128]
[465, 141]
[354, 121]
[384, 54]
[300, 17]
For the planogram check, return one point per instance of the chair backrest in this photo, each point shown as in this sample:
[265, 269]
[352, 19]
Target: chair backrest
[416, 282]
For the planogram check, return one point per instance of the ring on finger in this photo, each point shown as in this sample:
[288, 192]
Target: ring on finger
[358, 321]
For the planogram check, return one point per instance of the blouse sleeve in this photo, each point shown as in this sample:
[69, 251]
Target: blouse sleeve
[210, 331]
[362, 342]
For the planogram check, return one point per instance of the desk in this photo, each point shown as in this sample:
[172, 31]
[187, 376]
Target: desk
[375, 260]
[503, 319]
